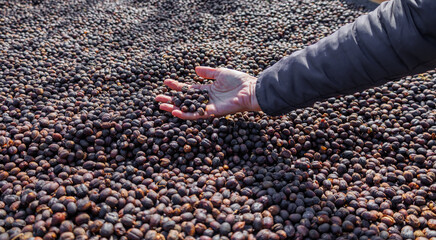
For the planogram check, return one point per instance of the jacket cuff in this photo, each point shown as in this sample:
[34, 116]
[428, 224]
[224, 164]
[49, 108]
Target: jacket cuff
[260, 95]
[267, 96]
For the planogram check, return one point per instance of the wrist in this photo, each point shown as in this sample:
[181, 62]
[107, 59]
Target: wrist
[254, 104]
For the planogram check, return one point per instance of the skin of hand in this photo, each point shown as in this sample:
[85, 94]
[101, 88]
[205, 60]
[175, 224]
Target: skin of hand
[231, 92]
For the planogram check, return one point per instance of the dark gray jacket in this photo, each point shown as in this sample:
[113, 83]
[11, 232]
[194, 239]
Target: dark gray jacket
[395, 40]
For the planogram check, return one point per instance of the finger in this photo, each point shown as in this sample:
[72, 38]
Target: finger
[163, 98]
[175, 85]
[188, 115]
[168, 107]
[207, 72]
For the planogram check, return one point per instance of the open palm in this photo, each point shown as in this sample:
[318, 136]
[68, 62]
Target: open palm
[231, 92]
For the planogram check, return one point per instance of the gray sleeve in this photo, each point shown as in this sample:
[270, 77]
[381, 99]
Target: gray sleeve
[395, 40]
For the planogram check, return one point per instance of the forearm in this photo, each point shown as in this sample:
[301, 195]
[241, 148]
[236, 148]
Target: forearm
[395, 40]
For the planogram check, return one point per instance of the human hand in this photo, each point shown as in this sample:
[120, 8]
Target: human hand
[231, 92]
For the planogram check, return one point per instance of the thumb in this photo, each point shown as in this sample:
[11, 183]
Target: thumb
[207, 72]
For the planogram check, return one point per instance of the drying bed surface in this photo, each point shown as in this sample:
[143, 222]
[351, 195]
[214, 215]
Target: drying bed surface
[85, 152]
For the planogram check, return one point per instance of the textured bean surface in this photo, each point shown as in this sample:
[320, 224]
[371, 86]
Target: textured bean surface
[85, 152]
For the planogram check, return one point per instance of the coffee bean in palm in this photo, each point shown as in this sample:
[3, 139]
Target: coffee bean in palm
[191, 100]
